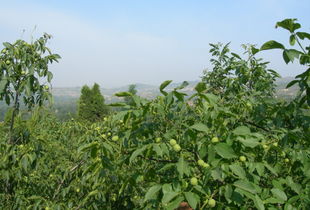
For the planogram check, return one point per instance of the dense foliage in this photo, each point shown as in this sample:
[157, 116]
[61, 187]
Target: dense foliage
[230, 145]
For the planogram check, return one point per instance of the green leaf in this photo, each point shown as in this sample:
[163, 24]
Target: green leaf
[260, 168]
[285, 57]
[158, 150]
[290, 84]
[3, 84]
[123, 94]
[242, 131]
[254, 50]
[183, 85]
[292, 40]
[288, 24]
[182, 167]
[294, 186]
[49, 76]
[303, 35]
[279, 194]
[168, 196]
[175, 203]
[152, 192]
[271, 169]
[200, 87]
[192, 199]
[249, 141]
[259, 203]
[225, 151]
[272, 45]
[200, 127]
[290, 55]
[163, 86]
[246, 185]
[228, 192]
[236, 55]
[137, 153]
[24, 162]
[238, 170]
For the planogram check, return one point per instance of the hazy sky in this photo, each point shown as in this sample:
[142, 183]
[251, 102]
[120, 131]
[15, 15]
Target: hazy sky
[116, 43]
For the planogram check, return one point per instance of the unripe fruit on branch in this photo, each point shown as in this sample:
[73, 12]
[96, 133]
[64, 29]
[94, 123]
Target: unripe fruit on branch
[177, 148]
[200, 162]
[194, 181]
[242, 158]
[215, 140]
[172, 142]
[115, 138]
[158, 140]
[211, 202]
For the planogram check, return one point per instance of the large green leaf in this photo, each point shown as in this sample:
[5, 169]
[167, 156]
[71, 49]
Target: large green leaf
[303, 35]
[163, 86]
[200, 127]
[249, 141]
[238, 170]
[182, 167]
[152, 192]
[225, 151]
[246, 185]
[242, 131]
[290, 55]
[259, 203]
[192, 199]
[288, 24]
[175, 203]
[168, 196]
[272, 45]
[279, 194]
[136, 153]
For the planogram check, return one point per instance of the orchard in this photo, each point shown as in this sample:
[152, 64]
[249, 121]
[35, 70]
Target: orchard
[230, 145]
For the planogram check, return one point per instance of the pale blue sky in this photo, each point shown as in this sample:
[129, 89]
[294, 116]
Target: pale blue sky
[116, 43]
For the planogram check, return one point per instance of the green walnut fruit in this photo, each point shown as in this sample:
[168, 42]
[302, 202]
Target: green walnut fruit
[23, 73]
[177, 148]
[78, 190]
[211, 202]
[194, 181]
[201, 162]
[115, 138]
[242, 158]
[3, 51]
[275, 144]
[103, 136]
[8, 62]
[158, 140]
[109, 134]
[105, 118]
[286, 160]
[45, 87]
[172, 142]
[205, 165]
[215, 139]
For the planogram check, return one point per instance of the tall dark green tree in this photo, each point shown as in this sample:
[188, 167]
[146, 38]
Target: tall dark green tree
[91, 104]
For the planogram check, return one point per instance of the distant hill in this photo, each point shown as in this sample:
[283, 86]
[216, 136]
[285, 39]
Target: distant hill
[151, 91]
